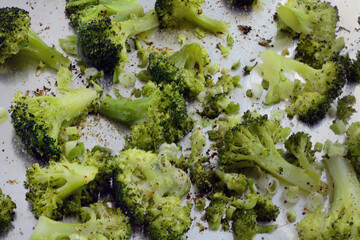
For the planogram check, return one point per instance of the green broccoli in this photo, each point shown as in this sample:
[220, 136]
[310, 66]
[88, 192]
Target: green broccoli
[173, 13]
[352, 143]
[150, 189]
[302, 17]
[38, 120]
[120, 8]
[69, 45]
[159, 117]
[342, 220]
[73, 6]
[216, 210]
[17, 38]
[97, 221]
[310, 100]
[316, 53]
[345, 108]
[102, 41]
[183, 68]
[236, 182]
[253, 142]
[51, 187]
[7, 211]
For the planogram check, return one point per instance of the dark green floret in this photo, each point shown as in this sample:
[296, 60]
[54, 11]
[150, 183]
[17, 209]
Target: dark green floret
[98, 221]
[102, 41]
[150, 189]
[17, 38]
[37, 120]
[7, 213]
[172, 13]
[345, 108]
[159, 117]
[73, 6]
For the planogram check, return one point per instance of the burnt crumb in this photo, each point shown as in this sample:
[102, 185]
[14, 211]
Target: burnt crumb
[244, 29]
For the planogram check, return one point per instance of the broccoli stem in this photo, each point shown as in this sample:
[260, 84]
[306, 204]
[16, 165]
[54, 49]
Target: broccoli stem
[192, 15]
[38, 50]
[295, 19]
[126, 111]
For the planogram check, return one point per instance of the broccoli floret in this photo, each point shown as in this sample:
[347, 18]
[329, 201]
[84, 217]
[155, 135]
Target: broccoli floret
[159, 117]
[345, 108]
[202, 171]
[38, 120]
[97, 221]
[51, 186]
[236, 182]
[341, 221]
[122, 9]
[216, 210]
[308, 17]
[253, 142]
[183, 68]
[17, 38]
[353, 67]
[102, 41]
[316, 53]
[310, 100]
[173, 13]
[73, 6]
[300, 152]
[150, 189]
[6, 211]
[352, 142]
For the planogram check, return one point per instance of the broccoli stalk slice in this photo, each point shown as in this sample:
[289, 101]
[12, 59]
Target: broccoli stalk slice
[37, 49]
[100, 221]
[296, 19]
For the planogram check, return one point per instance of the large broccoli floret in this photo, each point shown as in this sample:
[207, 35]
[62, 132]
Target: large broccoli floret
[120, 8]
[97, 221]
[253, 142]
[17, 38]
[183, 68]
[50, 187]
[308, 17]
[102, 41]
[342, 220]
[172, 13]
[159, 117]
[38, 120]
[7, 207]
[310, 100]
[150, 189]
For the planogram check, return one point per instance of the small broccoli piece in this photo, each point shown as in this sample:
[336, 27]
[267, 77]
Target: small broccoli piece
[73, 6]
[316, 53]
[341, 220]
[97, 221]
[216, 210]
[225, 50]
[299, 147]
[253, 142]
[17, 38]
[183, 68]
[247, 69]
[121, 8]
[38, 120]
[102, 41]
[352, 143]
[338, 127]
[51, 186]
[308, 17]
[7, 211]
[150, 189]
[159, 117]
[202, 171]
[3, 115]
[291, 215]
[310, 100]
[345, 108]
[173, 13]
[69, 45]
[234, 181]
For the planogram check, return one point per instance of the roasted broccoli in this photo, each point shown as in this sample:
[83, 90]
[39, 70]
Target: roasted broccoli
[172, 13]
[17, 38]
[253, 142]
[7, 211]
[345, 108]
[102, 41]
[310, 100]
[236, 182]
[183, 68]
[302, 17]
[216, 210]
[120, 8]
[159, 117]
[37, 120]
[73, 6]
[98, 221]
[352, 143]
[150, 189]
